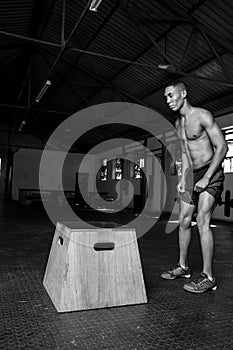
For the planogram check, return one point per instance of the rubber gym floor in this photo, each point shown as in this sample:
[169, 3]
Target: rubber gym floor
[172, 318]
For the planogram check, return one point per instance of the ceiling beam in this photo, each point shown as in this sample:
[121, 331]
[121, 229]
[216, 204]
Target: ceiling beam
[218, 57]
[90, 41]
[222, 41]
[39, 13]
[61, 53]
[163, 35]
[190, 73]
[14, 106]
[124, 94]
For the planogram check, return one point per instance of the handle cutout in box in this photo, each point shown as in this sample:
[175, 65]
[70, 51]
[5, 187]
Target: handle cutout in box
[60, 240]
[104, 246]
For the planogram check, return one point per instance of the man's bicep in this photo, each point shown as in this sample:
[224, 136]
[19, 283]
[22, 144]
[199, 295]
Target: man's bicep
[215, 134]
[212, 129]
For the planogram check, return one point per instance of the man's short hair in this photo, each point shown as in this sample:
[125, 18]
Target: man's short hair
[178, 83]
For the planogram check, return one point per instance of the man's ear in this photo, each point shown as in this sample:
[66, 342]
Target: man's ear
[184, 93]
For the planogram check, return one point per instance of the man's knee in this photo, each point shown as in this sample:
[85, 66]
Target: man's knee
[203, 220]
[185, 221]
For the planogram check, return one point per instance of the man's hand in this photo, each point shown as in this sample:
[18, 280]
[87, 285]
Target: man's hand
[201, 185]
[181, 186]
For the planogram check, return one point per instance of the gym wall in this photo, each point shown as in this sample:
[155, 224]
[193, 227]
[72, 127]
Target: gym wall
[26, 170]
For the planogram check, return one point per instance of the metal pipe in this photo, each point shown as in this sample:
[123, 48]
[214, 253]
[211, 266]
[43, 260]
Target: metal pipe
[63, 23]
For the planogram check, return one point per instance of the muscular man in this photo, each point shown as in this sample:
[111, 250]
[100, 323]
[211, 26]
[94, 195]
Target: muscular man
[201, 183]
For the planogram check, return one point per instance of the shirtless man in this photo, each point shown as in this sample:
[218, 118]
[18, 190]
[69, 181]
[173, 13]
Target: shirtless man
[201, 183]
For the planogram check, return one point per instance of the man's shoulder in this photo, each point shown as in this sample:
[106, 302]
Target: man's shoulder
[201, 111]
[204, 117]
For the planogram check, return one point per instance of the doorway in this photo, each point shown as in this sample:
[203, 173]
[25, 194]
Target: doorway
[3, 166]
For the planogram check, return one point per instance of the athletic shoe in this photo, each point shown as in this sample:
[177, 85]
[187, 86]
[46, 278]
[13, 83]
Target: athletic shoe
[201, 284]
[175, 272]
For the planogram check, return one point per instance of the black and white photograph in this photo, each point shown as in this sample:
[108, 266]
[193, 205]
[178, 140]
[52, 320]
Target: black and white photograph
[116, 175]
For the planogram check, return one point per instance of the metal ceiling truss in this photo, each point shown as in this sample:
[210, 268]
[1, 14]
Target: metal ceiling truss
[13, 106]
[153, 41]
[148, 48]
[189, 41]
[120, 91]
[177, 12]
[175, 71]
[38, 14]
[59, 46]
[73, 65]
[63, 46]
[218, 57]
[180, 17]
[129, 63]
[179, 75]
[62, 76]
[195, 26]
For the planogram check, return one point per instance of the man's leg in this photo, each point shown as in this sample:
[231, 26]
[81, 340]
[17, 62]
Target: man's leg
[206, 205]
[185, 217]
[206, 281]
[181, 269]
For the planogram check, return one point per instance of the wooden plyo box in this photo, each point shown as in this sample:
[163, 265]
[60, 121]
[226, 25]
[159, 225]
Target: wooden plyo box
[94, 268]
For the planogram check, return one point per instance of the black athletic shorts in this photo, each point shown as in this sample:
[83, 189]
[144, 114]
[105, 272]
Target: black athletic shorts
[192, 176]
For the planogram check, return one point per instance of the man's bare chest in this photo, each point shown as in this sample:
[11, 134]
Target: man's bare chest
[191, 131]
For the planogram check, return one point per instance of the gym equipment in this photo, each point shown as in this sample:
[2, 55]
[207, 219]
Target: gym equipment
[94, 268]
[228, 203]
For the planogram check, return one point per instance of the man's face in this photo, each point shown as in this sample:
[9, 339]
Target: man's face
[174, 97]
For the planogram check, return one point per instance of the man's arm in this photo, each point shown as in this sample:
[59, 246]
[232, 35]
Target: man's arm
[184, 161]
[185, 164]
[217, 140]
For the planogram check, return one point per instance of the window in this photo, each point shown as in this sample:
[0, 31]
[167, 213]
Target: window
[138, 172]
[104, 170]
[117, 169]
[228, 161]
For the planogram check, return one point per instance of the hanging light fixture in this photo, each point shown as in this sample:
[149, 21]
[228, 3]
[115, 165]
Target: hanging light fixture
[43, 90]
[21, 126]
[164, 64]
[94, 5]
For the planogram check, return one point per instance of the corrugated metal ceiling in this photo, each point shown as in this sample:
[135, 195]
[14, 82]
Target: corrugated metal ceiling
[120, 47]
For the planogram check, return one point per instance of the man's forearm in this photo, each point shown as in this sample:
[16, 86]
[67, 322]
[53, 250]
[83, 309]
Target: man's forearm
[217, 160]
[185, 164]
